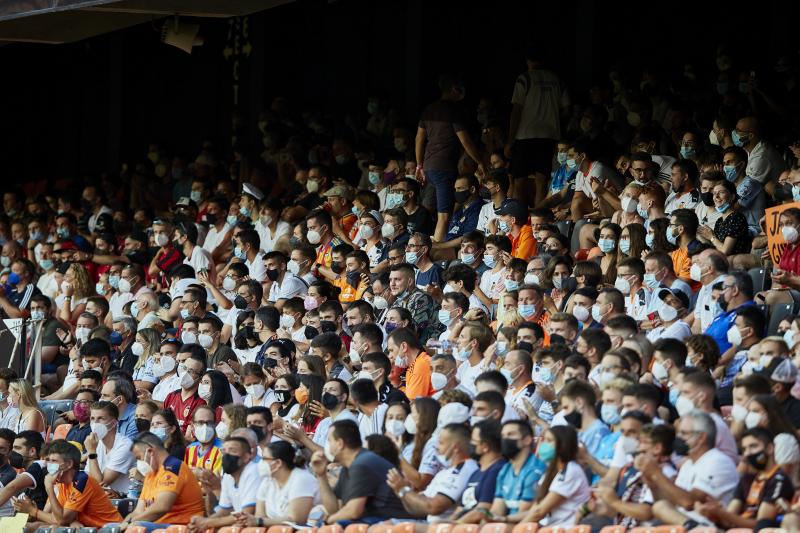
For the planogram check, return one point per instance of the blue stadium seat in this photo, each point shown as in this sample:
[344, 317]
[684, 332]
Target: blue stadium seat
[777, 313]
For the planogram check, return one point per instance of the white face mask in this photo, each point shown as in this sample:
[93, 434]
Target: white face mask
[204, 432]
[256, 390]
[187, 381]
[395, 427]
[410, 425]
[438, 381]
[287, 321]
[739, 412]
[684, 405]
[329, 455]
[667, 313]
[188, 337]
[581, 313]
[228, 283]
[164, 366]
[752, 419]
[204, 391]
[205, 340]
[137, 348]
[696, 272]
[143, 467]
[222, 430]
[313, 236]
[264, 470]
[629, 204]
[660, 372]
[99, 429]
[355, 357]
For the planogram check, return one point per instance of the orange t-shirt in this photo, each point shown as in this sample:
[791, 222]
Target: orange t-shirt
[87, 498]
[524, 246]
[349, 294]
[347, 222]
[418, 377]
[174, 476]
[682, 265]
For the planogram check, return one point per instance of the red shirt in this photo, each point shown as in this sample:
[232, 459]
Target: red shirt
[790, 259]
[184, 410]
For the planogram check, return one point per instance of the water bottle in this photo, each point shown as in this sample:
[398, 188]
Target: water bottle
[135, 489]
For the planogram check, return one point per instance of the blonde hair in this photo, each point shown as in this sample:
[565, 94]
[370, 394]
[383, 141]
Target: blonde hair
[27, 397]
[237, 414]
[152, 344]
[512, 319]
[80, 281]
[618, 384]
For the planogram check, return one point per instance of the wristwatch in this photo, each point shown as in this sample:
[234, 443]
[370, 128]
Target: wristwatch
[92, 456]
[405, 490]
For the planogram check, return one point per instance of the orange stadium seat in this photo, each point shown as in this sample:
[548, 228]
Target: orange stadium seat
[333, 528]
[613, 529]
[440, 528]
[525, 527]
[466, 528]
[280, 529]
[494, 527]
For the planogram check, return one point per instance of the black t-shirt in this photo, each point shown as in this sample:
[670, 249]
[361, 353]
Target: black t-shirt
[441, 121]
[126, 360]
[78, 433]
[389, 394]
[366, 476]
[221, 355]
[7, 474]
[792, 409]
[37, 471]
[420, 221]
[770, 490]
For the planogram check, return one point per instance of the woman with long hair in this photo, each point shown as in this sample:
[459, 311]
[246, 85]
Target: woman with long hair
[656, 238]
[215, 389]
[312, 364]
[146, 343]
[630, 200]
[234, 416]
[164, 425]
[608, 251]
[253, 377]
[394, 427]
[632, 241]
[285, 405]
[421, 423]
[564, 487]
[765, 412]
[21, 396]
[308, 392]
[75, 290]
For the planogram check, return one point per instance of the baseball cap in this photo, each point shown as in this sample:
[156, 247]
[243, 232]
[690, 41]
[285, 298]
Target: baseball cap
[514, 208]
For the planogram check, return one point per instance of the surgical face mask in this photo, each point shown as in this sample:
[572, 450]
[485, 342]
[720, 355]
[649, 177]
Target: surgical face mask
[650, 281]
[412, 257]
[629, 204]
[796, 193]
[558, 281]
[503, 226]
[387, 230]
[164, 366]
[394, 199]
[100, 289]
[571, 163]
[231, 220]
[52, 469]
[642, 211]
[606, 245]
[542, 374]
[625, 246]
[161, 433]
[46, 264]
[312, 186]
[526, 310]
[489, 260]
[610, 414]
[531, 279]
[501, 348]
[671, 237]
[688, 152]
[730, 172]
[649, 240]
[696, 272]
[37, 315]
[724, 207]
[581, 313]
[789, 234]
[561, 157]
[510, 285]
[438, 381]
[788, 336]
[734, 336]
[374, 177]
[203, 390]
[597, 315]
[229, 284]
[444, 317]
[467, 259]
[667, 313]
[622, 285]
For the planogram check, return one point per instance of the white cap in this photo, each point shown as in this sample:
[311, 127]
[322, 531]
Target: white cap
[252, 190]
[452, 413]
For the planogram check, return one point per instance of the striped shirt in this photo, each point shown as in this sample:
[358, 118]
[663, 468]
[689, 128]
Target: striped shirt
[210, 460]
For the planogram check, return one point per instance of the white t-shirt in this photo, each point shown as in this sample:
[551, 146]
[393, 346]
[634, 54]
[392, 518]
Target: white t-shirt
[476, 303]
[705, 307]
[145, 372]
[725, 442]
[267, 399]
[47, 284]
[70, 379]
[764, 164]
[237, 497]
[199, 260]
[429, 463]
[214, 238]
[321, 433]
[467, 373]
[571, 483]
[370, 425]
[714, 473]
[492, 283]
[679, 330]
[166, 385]
[256, 269]
[542, 97]
[485, 216]
[290, 287]
[583, 182]
[637, 305]
[119, 299]
[301, 484]
[268, 239]
[687, 200]
[119, 459]
[451, 482]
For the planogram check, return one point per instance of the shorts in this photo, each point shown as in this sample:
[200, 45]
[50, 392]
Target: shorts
[531, 156]
[444, 182]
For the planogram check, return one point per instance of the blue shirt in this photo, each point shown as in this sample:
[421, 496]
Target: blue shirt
[517, 489]
[592, 437]
[481, 486]
[733, 368]
[718, 329]
[464, 220]
[127, 422]
[432, 275]
[561, 177]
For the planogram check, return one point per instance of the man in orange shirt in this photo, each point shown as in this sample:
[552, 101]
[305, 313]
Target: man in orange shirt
[74, 498]
[356, 277]
[514, 222]
[337, 203]
[170, 495]
[404, 349]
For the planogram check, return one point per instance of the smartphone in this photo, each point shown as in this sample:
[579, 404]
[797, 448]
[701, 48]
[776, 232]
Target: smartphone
[270, 362]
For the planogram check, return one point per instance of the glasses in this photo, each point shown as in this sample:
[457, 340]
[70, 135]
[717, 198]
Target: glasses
[81, 402]
[412, 246]
[726, 287]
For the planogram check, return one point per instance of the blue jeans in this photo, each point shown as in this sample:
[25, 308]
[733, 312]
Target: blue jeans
[444, 182]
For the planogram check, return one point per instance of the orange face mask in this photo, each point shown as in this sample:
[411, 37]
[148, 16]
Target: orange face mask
[301, 395]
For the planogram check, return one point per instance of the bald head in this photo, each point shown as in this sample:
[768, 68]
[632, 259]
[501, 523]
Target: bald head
[12, 250]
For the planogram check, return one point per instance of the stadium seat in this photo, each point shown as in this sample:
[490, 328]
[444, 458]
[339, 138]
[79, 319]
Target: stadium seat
[553, 530]
[109, 529]
[125, 506]
[494, 527]
[61, 431]
[525, 527]
[580, 529]
[564, 227]
[740, 530]
[614, 529]
[65, 530]
[87, 530]
[280, 529]
[404, 527]
[333, 528]
[253, 529]
[139, 529]
[230, 529]
[466, 528]
[772, 530]
[658, 529]
[759, 277]
[777, 313]
[176, 529]
[360, 528]
[702, 529]
[440, 528]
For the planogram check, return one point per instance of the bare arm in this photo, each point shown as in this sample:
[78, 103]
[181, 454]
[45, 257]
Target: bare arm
[161, 506]
[352, 510]
[469, 146]
[513, 123]
[419, 145]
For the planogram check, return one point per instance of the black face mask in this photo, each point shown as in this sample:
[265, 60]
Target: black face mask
[782, 193]
[239, 302]
[282, 396]
[250, 333]
[16, 460]
[526, 346]
[485, 193]
[273, 274]
[329, 401]
[142, 424]
[708, 198]
[757, 460]
[311, 332]
[259, 431]
[210, 218]
[354, 278]
[574, 419]
[337, 268]
[461, 197]
[722, 303]
[680, 447]
[294, 242]
[474, 455]
[230, 463]
[509, 448]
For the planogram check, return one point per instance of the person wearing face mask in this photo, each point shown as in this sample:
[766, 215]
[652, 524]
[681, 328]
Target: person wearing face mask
[730, 234]
[370, 224]
[788, 272]
[23, 455]
[131, 287]
[651, 203]
[581, 157]
[164, 425]
[239, 487]
[624, 489]
[684, 193]
[437, 501]
[465, 217]
[565, 326]
[491, 283]
[473, 340]
[119, 390]
[750, 191]
[514, 222]
[184, 239]
[165, 368]
[630, 277]
[208, 337]
[206, 452]
[371, 412]
[737, 294]
[109, 457]
[367, 338]
[376, 366]
[493, 190]
[283, 284]
[248, 251]
[254, 378]
[73, 496]
[81, 408]
[744, 334]
[454, 306]
[218, 228]
[487, 405]
[443, 375]
[185, 400]
[707, 475]
[578, 400]
[335, 399]
[709, 268]
[517, 479]
[764, 163]
[674, 306]
[286, 492]
[707, 215]
[320, 234]
[755, 501]
[421, 305]
[171, 494]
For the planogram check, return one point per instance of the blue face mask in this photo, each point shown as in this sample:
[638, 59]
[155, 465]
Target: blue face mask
[113, 281]
[394, 199]
[36, 235]
[62, 232]
[444, 317]
[510, 285]
[546, 452]
[161, 433]
[355, 211]
[625, 246]
[673, 396]
[543, 374]
[648, 240]
[115, 338]
[374, 178]
[687, 152]
[730, 172]
[561, 157]
[231, 220]
[650, 281]
[185, 314]
[526, 310]
[239, 254]
[737, 139]
[244, 212]
[99, 288]
[671, 236]
[796, 193]
[412, 257]
[503, 226]
[724, 207]
[606, 245]
[571, 163]
[489, 260]
[641, 210]
[467, 259]
[610, 414]
[46, 264]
